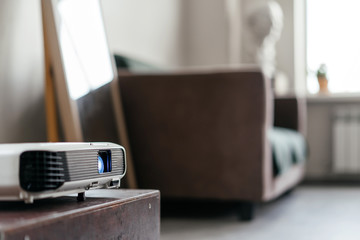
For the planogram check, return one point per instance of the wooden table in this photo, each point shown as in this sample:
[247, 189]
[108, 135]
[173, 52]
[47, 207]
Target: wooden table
[105, 214]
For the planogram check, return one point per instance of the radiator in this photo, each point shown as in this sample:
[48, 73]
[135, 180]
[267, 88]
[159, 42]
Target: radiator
[346, 140]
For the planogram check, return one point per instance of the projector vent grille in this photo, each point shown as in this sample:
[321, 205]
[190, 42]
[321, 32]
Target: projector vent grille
[41, 170]
[82, 165]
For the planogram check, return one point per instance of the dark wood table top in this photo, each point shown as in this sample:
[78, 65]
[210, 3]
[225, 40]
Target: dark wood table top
[18, 214]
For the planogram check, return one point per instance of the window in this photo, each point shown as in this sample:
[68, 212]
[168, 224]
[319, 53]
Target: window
[333, 38]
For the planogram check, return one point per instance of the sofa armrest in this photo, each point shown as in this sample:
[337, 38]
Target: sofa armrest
[200, 135]
[290, 112]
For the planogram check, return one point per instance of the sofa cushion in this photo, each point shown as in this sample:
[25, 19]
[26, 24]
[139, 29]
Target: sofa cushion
[288, 148]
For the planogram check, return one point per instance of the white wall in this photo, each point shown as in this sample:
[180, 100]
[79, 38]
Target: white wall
[168, 33]
[147, 30]
[285, 47]
[21, 72]
[205, 31]
[300, 68]
[235, 22]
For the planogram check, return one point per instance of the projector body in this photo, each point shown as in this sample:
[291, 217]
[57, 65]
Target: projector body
[32, 171]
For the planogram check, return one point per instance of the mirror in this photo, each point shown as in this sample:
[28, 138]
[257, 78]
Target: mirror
[82, 70]
[83, 46]
[79, 56]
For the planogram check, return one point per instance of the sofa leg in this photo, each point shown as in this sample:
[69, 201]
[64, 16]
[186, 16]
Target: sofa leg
[289, 191]
[246, 211]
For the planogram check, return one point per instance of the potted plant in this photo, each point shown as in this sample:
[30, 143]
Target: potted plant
[321, 74]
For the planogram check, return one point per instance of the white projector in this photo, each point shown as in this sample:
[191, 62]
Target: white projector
[32, 171]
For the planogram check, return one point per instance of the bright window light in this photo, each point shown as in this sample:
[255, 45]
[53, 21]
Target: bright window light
[333, 38]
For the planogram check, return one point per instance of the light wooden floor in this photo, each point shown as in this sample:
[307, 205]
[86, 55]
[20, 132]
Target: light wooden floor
[310, 212]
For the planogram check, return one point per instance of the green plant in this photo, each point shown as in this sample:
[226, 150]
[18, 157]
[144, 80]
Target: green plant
[322, 71]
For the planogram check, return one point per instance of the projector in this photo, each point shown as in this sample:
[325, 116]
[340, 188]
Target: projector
[32, 171]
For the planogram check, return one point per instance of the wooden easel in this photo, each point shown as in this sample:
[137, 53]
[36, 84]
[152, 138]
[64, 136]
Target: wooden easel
[52, 125]
[50, 103]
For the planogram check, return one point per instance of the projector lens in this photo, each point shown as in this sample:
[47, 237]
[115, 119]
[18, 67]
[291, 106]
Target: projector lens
[100, 165]
[104, 161]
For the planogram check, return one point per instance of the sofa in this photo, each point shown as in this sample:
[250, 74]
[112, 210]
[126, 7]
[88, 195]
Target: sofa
[209, 134]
